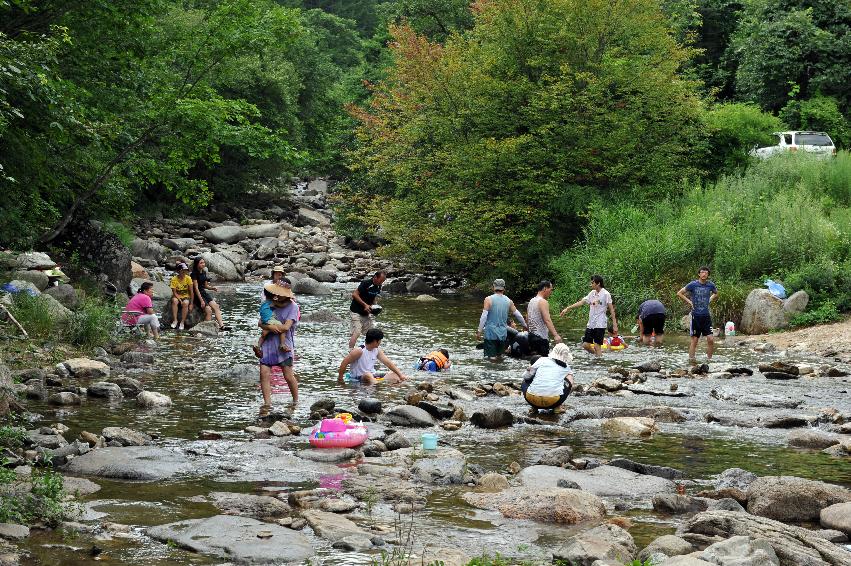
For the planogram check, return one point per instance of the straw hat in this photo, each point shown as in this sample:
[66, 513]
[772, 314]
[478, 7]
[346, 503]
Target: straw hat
[278, 290]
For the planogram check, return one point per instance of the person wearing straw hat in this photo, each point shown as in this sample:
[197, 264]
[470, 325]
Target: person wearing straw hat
[279, 277]
[279, 347]
[549, 380]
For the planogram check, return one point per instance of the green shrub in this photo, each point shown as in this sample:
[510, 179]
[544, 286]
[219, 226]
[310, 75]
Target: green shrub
[122, 231]
[824, 281]
[820, 113]
[12, 436]
[734, 129]
[42, 503]
[825, 313]
[33, 314]
[777, 218]
[92, 323]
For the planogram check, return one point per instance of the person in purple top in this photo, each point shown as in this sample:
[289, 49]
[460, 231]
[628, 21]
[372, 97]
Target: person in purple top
[285, 312]
[698, 295]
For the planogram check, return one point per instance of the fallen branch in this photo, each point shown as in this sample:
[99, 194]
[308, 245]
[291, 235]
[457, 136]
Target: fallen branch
[12, 318]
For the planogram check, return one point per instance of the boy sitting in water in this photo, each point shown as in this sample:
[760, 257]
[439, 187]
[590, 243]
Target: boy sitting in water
[267, 316]
[361, 363]
[435, 361]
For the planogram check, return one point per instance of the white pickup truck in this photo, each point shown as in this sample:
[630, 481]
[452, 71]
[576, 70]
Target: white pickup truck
[818, 143]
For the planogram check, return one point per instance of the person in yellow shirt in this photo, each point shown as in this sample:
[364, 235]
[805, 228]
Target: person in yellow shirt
[181, 293]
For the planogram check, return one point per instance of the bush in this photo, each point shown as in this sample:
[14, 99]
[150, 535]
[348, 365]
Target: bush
[33, 314]
[820, 113]
[734, 129]
[42, 503]
[122, 231]
[92, 323]
[825, 313]
[778, 218]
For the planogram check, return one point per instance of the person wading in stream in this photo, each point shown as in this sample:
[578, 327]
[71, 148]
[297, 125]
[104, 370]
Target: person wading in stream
[598, 301]
[286, 313]
[698, 295]
[540, 321]
[361, 308]
[494, 320]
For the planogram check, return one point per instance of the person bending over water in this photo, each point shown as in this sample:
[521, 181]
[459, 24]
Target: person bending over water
[493, 321]
[361, 362]
[548, 381]
[435, 361]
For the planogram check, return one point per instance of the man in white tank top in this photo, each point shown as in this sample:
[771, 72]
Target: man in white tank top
[361, 363]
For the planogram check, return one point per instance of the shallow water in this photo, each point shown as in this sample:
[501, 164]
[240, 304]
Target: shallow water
[193, 372]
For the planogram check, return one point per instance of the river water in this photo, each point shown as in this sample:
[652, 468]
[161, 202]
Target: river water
[199, 375]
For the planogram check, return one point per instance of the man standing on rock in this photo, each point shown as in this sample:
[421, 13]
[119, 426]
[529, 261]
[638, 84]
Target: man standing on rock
[286, 313]
[361, 308]
[494, 319]
[698, 295]
[540, 322]
[598, 300]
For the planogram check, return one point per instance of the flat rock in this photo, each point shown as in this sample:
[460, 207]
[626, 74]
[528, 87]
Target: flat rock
[126, 436]
[647, 469]
[136, 463]
[837, 516]
[246, 505]
[601, 543]
[153, 400]
[812, 438]
[64, 398]
[736, 478]
[792, 499]
[630, 426]
[224, 234]
[549, 505]
[12, 531]
[677, 504]
[794, 546]
[331, 526]
[328, 455]
[605, 481]
[557, 456]
[236, 539]
[86, 368]
[79, 487]
[741, 550]
[669, 545]
[105, 390]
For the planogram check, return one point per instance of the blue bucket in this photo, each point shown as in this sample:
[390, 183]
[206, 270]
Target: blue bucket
[429, 441]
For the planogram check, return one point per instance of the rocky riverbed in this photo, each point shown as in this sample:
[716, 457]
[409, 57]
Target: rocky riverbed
[746, 458]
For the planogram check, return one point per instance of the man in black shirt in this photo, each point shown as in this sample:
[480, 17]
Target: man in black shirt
[362, 300]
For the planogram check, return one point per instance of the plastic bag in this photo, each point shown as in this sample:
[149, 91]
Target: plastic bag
[776, 289]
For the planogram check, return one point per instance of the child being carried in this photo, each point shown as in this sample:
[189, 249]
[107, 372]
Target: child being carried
[267, 317]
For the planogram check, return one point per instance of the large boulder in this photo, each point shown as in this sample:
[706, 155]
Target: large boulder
[603, 542]
[221, 265]
[58, 312]
[65, 294]
[257, 231]
[310, 217]
[791, 499]
[837, 516]
[310, 286]
[148, 249]
[764, 312]
[408, 415]
[794, 546]
[179, 244]
[153, 400]
[105, 390]
[796, 303]
[122, 436]
[162, 291]
[605, 481]
[630, 426]
[669, 545]
[239, 540]
[225, 234]
[102, 251]
[34, 260]
[549, 505]
[34, 276]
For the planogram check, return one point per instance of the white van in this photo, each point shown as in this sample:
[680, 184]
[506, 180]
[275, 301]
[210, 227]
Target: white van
[818, 143]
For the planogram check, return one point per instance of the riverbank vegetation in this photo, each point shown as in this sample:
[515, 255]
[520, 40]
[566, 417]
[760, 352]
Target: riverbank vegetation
[486, 137]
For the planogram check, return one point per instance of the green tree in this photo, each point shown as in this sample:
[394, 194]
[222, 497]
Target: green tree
[485, 153]
[734, 129]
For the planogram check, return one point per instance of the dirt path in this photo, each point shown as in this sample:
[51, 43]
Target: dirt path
[834, 337]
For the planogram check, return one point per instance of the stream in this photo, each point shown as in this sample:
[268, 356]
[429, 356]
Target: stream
[208, 393]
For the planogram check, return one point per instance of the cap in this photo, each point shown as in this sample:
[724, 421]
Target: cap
[278, 269]
[278, 290]
[499, 284]
[181, 266]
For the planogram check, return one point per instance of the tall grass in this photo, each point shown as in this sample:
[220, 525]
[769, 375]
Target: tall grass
[91, 324]
[34, 315]
[788, 218]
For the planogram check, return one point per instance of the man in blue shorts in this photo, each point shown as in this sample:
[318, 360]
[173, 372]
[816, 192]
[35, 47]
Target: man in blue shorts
[698, 295]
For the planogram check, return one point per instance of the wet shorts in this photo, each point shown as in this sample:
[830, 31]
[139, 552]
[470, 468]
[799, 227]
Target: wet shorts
[701, 325]
[361, 323]
[653, 323]
[594, 336]
[494, 348]
[379, 375]
[286, 363]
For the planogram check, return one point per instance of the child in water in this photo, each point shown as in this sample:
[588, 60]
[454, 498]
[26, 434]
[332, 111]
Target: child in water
[437, 360]
[267, 316]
